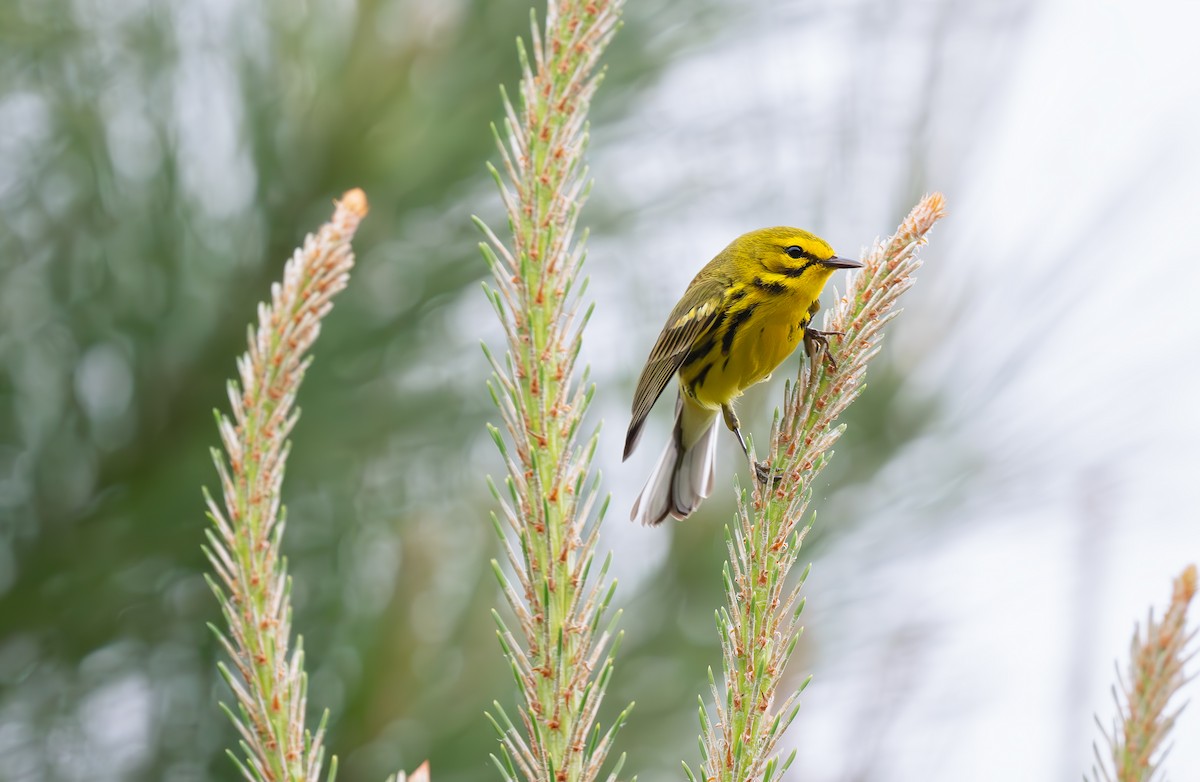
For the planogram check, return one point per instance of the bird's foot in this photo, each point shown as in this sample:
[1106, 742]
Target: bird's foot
[814, 340]
[762, 471]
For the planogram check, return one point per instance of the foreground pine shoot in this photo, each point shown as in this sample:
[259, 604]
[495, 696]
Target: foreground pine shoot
[1137, 742]
[251, 581]
[561, 655]
[759, 627]
[420, 775]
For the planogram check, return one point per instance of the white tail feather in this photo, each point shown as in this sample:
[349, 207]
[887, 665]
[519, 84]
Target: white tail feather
[685, 472]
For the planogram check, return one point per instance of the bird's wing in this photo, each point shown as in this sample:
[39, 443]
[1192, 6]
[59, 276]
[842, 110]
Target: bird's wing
[697, 312]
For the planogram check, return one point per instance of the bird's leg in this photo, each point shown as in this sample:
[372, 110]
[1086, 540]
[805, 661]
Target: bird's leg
[735, 426]
[814, 340]
[761, 470]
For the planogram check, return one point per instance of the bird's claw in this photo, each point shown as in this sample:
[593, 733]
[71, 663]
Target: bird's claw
[814, 339]
[762, 471]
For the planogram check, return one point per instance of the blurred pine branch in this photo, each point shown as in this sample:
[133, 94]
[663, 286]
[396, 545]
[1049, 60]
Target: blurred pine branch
[1137, 741]
[252, 585]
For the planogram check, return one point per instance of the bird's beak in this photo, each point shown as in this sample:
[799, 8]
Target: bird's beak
[841, 263]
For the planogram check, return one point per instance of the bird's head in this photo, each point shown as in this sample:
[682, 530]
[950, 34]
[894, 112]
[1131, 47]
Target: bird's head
[791, 252]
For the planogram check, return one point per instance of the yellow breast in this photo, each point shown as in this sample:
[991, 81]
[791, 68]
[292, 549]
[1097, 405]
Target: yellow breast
[746, 349]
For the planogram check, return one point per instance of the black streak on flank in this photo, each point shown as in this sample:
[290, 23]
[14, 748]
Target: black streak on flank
[703, 373]
[775, 288]
[699, 352]
[734, 323]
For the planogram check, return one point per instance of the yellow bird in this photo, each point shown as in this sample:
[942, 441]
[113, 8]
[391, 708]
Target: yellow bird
[742, 315]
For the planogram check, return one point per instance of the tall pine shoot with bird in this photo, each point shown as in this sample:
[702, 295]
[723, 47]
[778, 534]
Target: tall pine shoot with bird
[739, 319]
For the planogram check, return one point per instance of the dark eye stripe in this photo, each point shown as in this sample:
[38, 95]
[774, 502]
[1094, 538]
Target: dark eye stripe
[799, 270]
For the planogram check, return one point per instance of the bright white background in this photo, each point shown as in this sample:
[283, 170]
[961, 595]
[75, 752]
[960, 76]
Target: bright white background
[967, 626]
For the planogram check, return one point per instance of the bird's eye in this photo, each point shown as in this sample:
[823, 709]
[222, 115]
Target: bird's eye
[794, 252]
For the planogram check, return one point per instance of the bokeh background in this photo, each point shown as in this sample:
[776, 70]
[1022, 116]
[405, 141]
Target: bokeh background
[1015, 489]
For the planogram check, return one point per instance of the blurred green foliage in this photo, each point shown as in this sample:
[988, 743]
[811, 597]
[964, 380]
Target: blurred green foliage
[158, 162]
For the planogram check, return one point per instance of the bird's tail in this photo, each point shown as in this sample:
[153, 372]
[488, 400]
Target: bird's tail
[685, 471]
